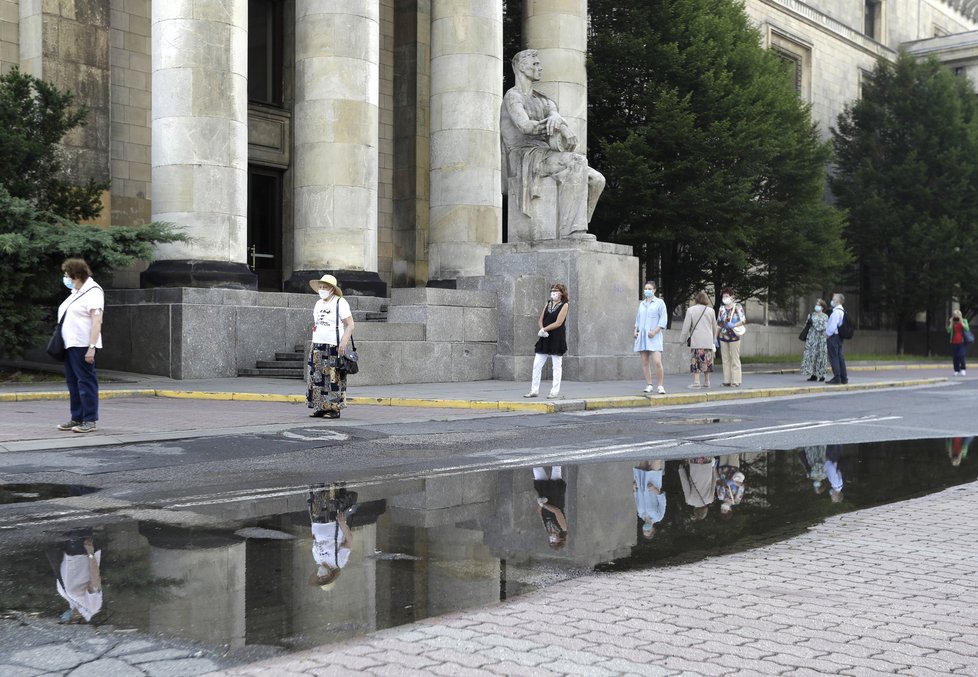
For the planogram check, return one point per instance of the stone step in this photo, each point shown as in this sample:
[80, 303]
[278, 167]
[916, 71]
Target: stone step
[280, 364]
[296, 356]
[273, 373]
[375, 317]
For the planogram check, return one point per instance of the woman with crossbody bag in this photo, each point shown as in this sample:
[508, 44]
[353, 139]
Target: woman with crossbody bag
[332, 332]
[80, 317]
[700, 333]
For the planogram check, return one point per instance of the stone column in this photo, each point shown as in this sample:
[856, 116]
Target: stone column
[200, 142]
[558, 30]
[337, 62]
[466, 92]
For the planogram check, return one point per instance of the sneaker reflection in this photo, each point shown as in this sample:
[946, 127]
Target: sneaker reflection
[329, 508]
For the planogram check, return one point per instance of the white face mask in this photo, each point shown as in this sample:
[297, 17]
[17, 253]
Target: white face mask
[325, 293]
[727, 300]
[818, 309]
[68, 282]
[555, 296]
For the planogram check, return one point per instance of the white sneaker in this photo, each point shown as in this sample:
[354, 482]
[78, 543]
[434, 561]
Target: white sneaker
[554, 394]
[957, 373]
[531, 394]
[964, 373]
[662, 391]
[648, 388]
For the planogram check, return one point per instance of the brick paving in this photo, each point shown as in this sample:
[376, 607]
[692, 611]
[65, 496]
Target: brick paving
[889, 590]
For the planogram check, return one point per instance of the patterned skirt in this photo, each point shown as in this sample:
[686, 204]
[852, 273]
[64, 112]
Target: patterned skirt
[326, 389]
[701, 361]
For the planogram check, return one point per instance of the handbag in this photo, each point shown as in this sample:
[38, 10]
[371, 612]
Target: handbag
[349, 363]
[689, 339]
[803, 336]
[56, 344]
[968, 337]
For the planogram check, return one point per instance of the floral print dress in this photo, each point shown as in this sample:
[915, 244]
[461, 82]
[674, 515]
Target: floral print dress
[815, 360]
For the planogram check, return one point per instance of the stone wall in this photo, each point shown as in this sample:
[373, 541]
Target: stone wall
[129, 63]
[9, 34]
[385, 156]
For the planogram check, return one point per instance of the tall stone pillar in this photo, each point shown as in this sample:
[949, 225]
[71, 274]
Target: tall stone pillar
[337, 76]
[465, 215]
[558, 30]
[200, 142]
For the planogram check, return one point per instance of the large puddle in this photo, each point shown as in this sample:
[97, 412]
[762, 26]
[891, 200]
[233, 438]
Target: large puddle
[365, 557]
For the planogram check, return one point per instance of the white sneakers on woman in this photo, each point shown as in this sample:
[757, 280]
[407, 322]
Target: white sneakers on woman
[532, 393]
[648, 388]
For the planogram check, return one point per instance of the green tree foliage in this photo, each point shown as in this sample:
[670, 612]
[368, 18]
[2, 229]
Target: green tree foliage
[907, 173]
[715, 170]
[38, 210]
[34, 117]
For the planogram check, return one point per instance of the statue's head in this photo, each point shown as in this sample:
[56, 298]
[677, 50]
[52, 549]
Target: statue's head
[527, 62]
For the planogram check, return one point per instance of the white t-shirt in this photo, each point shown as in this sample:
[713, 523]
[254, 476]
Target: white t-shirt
[326, 550]
[77, 577]
[77, 327]
[324, 315]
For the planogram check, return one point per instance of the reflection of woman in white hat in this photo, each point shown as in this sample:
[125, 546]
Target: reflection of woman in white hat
[332, 330]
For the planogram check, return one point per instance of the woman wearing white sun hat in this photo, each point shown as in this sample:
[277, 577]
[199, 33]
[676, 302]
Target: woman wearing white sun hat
[332, 331]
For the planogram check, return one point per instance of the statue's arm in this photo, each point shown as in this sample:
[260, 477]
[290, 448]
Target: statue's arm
[517, 113]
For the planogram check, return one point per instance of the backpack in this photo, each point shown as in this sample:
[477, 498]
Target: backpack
[845, 327]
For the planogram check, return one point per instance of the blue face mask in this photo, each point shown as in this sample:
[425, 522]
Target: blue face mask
[67, 282]
[649, 293]
[818, 309]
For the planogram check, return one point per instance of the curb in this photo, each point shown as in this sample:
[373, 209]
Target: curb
[550, 407]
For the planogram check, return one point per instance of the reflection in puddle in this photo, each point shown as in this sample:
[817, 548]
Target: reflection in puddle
[339, 561]
[23, 493]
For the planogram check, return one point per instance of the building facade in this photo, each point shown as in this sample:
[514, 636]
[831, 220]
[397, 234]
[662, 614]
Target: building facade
[360, 137]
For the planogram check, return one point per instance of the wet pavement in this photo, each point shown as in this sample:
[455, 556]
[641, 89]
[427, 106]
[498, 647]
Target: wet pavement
[750, 561]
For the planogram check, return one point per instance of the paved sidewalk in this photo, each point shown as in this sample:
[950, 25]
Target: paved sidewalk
[886, 590]
[139, 408]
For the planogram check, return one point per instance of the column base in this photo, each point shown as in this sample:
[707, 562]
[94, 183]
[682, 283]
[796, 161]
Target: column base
[192, 273]
[353, 282]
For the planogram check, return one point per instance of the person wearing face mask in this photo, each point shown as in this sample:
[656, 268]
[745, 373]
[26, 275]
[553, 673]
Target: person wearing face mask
[82, 334]
[730, 322]
[833, 342]
[332, 330]
[956, 333]
[650, 322]
[553, 340]
[815, 360]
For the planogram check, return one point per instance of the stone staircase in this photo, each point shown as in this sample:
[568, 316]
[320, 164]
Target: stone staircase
[416, 336]
[293, 364]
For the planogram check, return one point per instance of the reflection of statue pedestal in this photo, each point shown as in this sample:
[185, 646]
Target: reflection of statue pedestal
[602, 280]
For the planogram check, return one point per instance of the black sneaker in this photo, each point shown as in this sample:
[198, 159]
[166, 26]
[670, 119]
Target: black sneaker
[331, 414]
[69, 425]
[319, 413]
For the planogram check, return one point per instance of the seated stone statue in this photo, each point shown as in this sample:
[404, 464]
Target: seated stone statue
[538, 145]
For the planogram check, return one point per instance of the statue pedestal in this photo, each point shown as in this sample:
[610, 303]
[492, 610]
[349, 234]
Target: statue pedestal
[602, 282]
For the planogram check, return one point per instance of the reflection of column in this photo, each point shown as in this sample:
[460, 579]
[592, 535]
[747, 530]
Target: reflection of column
[200, 142]
[209, 598]
[337, 57]
[558, 30]
[466, 93]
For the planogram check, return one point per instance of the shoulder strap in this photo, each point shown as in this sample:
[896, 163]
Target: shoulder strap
[62, 319]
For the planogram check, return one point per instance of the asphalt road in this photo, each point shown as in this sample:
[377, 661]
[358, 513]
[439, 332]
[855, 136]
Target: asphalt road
[260, 463]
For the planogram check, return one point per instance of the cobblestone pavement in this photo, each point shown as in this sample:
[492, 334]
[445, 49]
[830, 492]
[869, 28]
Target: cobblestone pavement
[886, 590]
[31, 647]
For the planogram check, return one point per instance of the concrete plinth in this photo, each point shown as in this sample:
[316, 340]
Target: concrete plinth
[602, 280]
